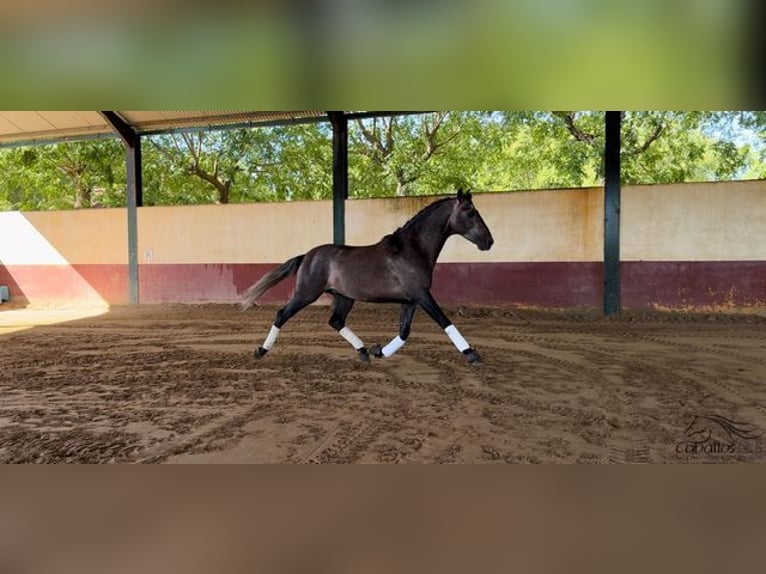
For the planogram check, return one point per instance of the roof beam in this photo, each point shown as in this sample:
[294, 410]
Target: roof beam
[123, 129]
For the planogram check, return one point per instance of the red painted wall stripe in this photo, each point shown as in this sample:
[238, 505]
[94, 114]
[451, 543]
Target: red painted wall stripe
[553, 284]
[206, 283]
[561, 284]
[66, 284]
[693, 284]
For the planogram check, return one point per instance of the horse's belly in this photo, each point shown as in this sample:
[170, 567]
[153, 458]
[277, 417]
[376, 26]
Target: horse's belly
[365, 274]
[370, 291]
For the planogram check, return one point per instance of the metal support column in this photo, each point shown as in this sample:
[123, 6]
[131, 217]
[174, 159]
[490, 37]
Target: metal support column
[339, 175]
[135, 191]
[613, 122]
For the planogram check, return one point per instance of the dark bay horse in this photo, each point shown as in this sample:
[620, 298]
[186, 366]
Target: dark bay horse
[397, 269]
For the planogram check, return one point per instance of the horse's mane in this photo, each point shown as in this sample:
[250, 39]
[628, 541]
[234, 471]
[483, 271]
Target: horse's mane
[420, 216]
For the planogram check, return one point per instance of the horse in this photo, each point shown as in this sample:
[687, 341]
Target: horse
[397, 269]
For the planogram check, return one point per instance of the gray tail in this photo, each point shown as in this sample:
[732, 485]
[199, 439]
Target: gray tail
[289, 267]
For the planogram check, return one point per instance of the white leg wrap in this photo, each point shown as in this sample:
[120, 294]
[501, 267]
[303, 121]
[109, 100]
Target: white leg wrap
[395, 344]
[269, 342]
[457, 338]
[351, 337]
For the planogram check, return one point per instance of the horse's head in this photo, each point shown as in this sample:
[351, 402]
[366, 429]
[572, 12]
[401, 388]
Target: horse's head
[465, 220]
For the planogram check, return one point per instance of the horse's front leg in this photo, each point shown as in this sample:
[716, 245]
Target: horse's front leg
[434, 311]
[408, 310]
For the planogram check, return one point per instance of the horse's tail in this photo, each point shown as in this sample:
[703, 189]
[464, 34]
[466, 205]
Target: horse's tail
[289, 267]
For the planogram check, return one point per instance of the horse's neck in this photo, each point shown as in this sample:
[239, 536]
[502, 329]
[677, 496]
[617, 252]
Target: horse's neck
[429, 237]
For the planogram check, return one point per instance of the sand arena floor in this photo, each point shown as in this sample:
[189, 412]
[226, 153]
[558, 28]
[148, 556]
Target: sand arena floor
[177, 384]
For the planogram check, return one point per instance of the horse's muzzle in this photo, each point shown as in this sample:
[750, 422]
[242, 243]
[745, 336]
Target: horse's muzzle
[485, 245]
[481, 240]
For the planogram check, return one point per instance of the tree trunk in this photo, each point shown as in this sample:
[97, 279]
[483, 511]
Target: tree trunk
[223, 192]
[82, 198]
[223, 187]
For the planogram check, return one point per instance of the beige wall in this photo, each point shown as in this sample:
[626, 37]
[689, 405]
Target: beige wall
[251, 233]
[684, 222]
[75, 237]
[561, 225]
[694, 222]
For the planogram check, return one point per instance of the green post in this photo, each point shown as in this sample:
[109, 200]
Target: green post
[339, 175]
[613, 121]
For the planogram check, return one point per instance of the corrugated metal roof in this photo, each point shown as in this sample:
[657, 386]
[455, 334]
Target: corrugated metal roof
[158, 121]
[29, 125]
[39, 126]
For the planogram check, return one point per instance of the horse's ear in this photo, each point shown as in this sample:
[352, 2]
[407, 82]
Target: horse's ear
[460, 194]
[468, 195]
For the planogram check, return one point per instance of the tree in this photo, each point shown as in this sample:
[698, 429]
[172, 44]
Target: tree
[662, 147]
[63, 176]
[94, 170]
[265, 164]
[294, 164]
[213, 157]
[755, 142]
[392, 155]
[415, 154]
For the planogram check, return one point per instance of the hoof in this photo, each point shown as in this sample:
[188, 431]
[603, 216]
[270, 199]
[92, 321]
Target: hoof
[376, 351]
[259, 353]
[472, 356]
[364, 356]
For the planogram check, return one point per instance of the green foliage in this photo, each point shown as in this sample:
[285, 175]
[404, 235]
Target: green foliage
[269, 164]
[63, 176]
[416, 154]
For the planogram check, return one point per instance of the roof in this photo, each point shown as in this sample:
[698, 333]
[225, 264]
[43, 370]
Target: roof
[29, 127]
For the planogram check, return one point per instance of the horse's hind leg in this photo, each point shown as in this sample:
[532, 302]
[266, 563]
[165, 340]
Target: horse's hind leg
[298, 302]
[434, 311]
[341, 308]
[408, 311]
